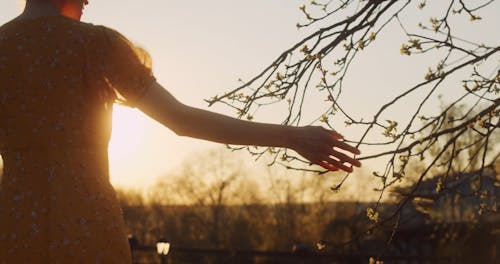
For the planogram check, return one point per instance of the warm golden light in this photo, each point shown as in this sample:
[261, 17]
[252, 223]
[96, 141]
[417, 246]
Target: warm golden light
[21, 4]
[162, 248]
[127, 136]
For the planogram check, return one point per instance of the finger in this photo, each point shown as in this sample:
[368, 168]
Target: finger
[344, 158]
[331, 133]
[338, 164]
[327, 166]
[335, 134]
[345, 146]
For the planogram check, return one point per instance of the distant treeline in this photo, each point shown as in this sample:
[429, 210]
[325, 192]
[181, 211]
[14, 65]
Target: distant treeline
[332, 227]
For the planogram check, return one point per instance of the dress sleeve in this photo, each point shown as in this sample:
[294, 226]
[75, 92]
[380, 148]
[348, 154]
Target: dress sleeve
[126, 68]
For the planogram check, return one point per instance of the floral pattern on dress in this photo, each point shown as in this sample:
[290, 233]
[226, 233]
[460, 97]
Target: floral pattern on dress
[58, 81]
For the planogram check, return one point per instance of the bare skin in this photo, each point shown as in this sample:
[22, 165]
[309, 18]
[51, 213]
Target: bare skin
[314, 143]
[320, 146]
[40, 8]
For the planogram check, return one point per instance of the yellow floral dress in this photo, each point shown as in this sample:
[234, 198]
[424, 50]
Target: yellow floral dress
[58, 81]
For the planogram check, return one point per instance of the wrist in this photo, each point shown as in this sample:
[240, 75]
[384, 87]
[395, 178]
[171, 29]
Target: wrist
[292, 136]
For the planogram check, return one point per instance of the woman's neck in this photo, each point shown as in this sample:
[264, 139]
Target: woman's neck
[36, 9]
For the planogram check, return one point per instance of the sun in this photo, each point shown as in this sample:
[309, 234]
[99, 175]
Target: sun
[127, 136]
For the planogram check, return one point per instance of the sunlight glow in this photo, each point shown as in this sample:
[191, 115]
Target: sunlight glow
[21, 4]
[127, 136]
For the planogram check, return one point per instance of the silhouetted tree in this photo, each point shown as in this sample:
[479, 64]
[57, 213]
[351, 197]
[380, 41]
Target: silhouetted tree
[135, 212]
[209, 184]
[458, 60]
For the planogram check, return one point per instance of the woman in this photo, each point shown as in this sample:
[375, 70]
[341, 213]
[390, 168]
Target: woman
[58, 80]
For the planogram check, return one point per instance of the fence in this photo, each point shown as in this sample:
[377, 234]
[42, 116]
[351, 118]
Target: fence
[180, 255]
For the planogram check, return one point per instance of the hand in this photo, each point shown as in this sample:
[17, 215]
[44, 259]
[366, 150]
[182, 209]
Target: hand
[321, 147]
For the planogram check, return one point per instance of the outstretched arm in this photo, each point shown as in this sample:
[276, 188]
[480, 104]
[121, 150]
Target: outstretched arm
[314, 143]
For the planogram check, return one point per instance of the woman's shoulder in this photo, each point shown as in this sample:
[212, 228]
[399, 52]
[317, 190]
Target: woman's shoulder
[48, 23]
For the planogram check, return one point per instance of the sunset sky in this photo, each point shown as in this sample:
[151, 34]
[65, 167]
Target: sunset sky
[201, 48]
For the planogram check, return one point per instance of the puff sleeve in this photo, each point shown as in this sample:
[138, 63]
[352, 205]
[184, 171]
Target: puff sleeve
[126, 68]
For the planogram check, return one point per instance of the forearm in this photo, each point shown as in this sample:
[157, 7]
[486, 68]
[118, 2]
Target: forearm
[312, 142]
[197, 123]
[223, 129]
